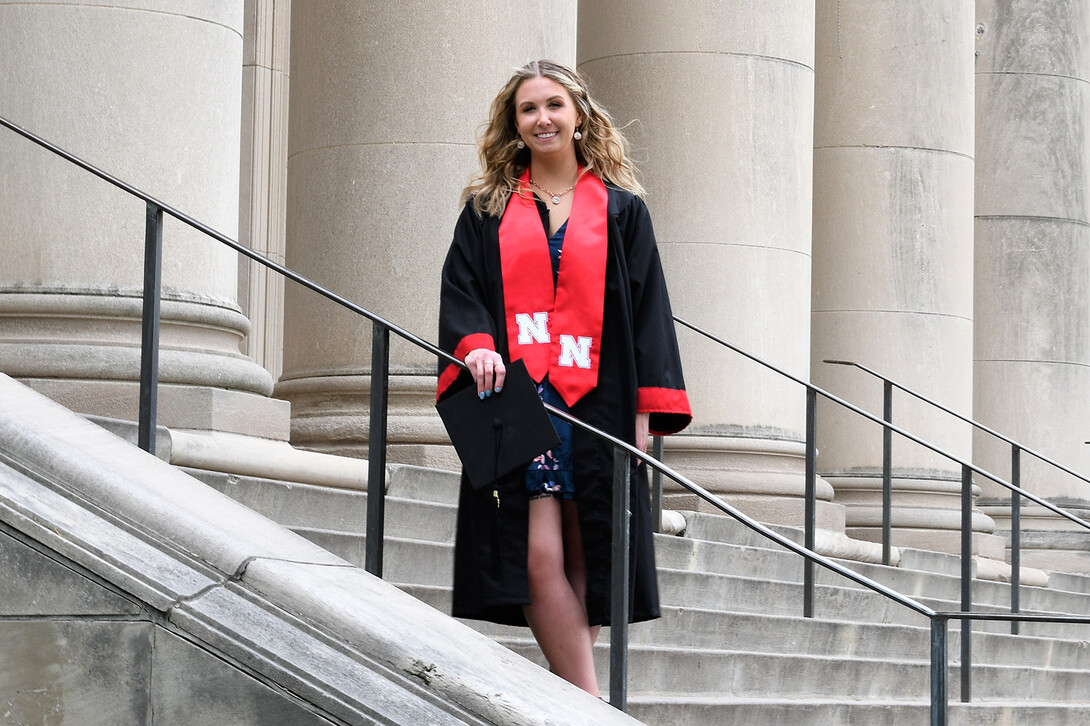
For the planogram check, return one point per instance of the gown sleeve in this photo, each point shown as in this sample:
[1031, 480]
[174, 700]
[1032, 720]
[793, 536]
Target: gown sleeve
[464, 319]
[661, 384]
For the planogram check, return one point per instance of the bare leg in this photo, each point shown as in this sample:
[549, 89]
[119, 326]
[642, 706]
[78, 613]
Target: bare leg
[575, 566]
[557, 616]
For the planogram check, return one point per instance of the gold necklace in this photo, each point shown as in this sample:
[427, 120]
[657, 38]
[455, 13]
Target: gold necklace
[555, 197]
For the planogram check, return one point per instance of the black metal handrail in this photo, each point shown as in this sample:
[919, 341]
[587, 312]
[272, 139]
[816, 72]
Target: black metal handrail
[888, 428]
[149, 351]
[622, 451]
[1017, 449]
[886, 425]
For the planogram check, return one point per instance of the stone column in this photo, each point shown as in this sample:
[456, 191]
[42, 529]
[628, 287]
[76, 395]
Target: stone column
[1032, 260]
[264, 167]
[151, 94]
[718, 102]
[386, 100]
[893, 244]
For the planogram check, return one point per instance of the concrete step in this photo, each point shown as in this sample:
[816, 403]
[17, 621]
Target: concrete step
[940, 580]
[404, 560]
[410, 560]
[291, 504]
[331, 517]
[722, 528]
[709, 629]
[1069, 581]
[697, 555]
[688, 627]
[693, 671]
[986, 594]
[726, 529]
[732, 621]
[404, 518]
[838, 602]
[410, 522]
[417, 482]
[302, 506]
[657, 710]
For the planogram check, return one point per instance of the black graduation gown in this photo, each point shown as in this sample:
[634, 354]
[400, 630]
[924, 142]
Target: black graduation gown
[639, 363]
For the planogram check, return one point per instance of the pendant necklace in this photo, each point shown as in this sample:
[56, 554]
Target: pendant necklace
[555, 197]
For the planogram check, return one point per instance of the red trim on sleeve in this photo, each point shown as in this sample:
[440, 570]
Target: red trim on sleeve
[467, 344]
[665, 401]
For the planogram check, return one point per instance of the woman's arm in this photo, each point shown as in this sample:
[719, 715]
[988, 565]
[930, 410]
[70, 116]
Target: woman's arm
[466, 327]
[643, 425]
[661, 387]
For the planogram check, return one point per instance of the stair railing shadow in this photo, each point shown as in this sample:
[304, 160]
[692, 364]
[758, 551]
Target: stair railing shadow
[622, 494]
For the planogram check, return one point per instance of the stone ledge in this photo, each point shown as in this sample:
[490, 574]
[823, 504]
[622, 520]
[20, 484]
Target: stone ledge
[249, 456]
[115, 509]
[180, 406]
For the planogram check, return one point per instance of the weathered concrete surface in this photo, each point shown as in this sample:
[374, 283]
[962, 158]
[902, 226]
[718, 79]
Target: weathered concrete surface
[221, 606]
[74, 671]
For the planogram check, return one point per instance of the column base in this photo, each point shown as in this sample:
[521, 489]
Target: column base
[331, 414]
[764, 478]
[81, 336]
[926, 514]
[182, 407]
[231, 456]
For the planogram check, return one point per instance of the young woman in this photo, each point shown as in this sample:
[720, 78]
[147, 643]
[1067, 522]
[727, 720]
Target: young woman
[554, 262]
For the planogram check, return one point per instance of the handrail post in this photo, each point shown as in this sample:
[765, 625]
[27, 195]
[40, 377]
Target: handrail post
[1016, 535]
[620, 581]
[939, 671]
[887, 473]
[376, 446]
[657, 450]
[966, 580]
[810, 513]
[149, 327]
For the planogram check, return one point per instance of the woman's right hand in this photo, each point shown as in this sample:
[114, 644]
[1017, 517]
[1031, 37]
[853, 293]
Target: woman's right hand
[486, 367]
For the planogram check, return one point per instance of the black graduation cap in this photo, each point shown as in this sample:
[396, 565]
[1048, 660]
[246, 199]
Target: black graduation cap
[503, 432]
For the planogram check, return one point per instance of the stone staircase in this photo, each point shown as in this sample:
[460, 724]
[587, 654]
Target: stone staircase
[732, 646]
[132, 594]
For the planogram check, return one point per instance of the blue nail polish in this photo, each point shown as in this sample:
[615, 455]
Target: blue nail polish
[481, 395]
[488, 393]
[497, 389]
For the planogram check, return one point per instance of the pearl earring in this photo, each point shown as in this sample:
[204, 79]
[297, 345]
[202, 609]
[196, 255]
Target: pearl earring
[578, 135]
[520, 144]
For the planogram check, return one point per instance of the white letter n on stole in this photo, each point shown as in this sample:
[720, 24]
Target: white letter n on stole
[533, 329]
[575, 351]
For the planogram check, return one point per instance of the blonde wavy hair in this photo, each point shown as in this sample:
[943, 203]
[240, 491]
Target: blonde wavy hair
[603, 150]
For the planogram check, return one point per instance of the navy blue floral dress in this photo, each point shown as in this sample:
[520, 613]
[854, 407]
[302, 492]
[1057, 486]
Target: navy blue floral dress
[550, 474]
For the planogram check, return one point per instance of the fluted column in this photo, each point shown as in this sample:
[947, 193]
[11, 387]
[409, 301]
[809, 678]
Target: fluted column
[386, 100]
[263, 183]
[151, 92]
[893, 245]
[719, 98]
[1033, 260]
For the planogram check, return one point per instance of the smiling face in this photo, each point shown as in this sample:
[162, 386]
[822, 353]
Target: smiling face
[546, 117]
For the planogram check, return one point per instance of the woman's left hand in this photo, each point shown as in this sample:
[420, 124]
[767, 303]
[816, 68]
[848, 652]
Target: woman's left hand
[643, 426]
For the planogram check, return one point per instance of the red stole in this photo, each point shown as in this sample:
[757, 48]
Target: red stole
[556, 332]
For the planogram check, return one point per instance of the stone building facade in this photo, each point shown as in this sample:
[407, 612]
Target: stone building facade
[902, 184]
